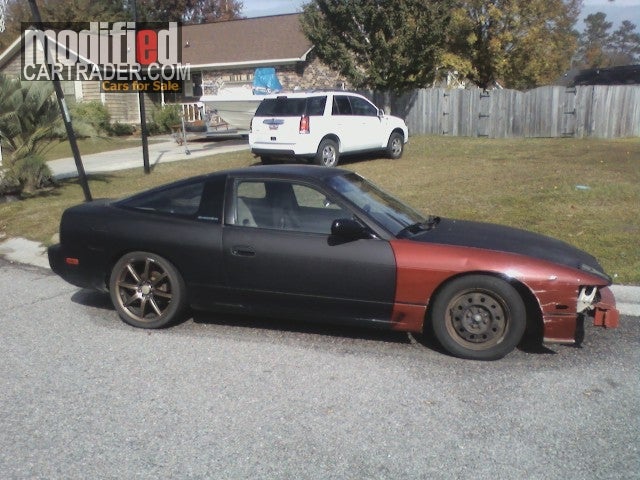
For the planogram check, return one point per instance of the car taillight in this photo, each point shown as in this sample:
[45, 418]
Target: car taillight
[304, 124]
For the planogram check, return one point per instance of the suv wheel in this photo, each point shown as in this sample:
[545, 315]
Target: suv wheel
[327, 154]
[395, 145]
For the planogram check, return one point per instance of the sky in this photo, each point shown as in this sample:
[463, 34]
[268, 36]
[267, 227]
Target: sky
[616, 11]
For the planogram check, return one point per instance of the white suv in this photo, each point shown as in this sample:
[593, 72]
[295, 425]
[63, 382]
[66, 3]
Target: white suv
[321, 126]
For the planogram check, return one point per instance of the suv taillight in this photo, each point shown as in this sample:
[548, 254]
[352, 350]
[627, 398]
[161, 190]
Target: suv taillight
[304, 124]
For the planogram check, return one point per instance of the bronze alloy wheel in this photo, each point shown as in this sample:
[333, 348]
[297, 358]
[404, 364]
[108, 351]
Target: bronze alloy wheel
[146, 290]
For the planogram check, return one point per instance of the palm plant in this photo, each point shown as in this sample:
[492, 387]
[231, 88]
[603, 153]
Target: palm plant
[29, 122]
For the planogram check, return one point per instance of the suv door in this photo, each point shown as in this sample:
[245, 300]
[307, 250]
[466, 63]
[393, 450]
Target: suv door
[360, 127]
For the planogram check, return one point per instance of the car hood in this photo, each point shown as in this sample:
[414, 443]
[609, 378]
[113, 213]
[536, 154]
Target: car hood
[512, 240]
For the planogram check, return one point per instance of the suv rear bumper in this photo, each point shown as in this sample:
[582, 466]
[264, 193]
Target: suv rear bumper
[273, 152]
[280, 152]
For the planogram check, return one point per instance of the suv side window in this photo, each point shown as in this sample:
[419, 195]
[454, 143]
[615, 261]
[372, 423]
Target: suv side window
[315, 105]
[341, 105]
[361, 107]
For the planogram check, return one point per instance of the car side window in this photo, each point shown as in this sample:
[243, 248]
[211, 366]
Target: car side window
[341, 105]
[361, 107]
[283, 205]
[179, 200]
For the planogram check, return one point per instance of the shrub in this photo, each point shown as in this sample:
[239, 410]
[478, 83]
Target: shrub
[121, 129]
[153, 128]
[31, 172]
[93, 113]
[166, 117]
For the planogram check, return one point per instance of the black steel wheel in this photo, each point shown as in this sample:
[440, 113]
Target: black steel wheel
[478, 317]
[395, 145]
[327, 154]
[147, 290]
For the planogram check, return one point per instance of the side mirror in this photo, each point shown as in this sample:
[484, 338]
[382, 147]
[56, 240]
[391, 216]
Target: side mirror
[381, 112]
[348, 229]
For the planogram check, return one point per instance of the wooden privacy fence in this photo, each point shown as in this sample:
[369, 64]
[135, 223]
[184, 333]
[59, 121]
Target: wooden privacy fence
[591, 111]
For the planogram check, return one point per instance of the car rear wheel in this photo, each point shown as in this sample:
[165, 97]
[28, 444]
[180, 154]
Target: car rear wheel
[147, 290]
[327, 154]
[395, 145]
[478, 317]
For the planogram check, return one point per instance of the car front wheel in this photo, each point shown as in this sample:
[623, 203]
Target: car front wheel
[478, 317]
[147, 291]
[395, 145]
[327, 154]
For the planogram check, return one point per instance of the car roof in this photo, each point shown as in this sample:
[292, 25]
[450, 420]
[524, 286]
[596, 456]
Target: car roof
[290, 171]
[312, 93]
[287, 170]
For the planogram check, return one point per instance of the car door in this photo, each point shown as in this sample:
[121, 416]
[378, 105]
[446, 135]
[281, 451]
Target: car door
[280, 257]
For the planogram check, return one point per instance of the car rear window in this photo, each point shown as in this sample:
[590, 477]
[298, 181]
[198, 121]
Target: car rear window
[291, 107]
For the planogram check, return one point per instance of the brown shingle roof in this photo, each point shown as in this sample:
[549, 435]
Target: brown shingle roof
[250, 41]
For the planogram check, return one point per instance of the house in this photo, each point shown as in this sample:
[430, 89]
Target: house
[621, 75]
[218, 53]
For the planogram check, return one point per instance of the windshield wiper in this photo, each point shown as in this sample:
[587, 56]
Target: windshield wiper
[418, 227]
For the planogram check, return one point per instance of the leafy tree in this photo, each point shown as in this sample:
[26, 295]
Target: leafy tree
[205, 11]
[187, 11]
[18, 11]
[389, 45]
[517, 43]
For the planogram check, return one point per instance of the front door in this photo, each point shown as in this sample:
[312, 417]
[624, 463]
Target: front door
[280, 257]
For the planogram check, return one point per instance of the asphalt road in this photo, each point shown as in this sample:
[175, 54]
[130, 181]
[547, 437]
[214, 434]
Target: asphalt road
[85, 396]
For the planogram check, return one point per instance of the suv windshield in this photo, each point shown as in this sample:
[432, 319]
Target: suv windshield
[387, 210]
[291, 107]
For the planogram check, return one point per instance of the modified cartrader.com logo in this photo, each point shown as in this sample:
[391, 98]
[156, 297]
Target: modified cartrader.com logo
[124, 57]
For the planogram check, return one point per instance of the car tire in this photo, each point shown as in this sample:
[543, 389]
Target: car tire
[327, 154]
[266, 160]
[395, 145]
[478, 317]
[147, 291]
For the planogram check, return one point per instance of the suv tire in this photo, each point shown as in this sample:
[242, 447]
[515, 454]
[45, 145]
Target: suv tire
[327, 154]
[395, 145]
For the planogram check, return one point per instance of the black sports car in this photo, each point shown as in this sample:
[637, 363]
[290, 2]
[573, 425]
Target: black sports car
[319, 243]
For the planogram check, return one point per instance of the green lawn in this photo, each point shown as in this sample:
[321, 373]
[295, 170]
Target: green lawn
[584, 191]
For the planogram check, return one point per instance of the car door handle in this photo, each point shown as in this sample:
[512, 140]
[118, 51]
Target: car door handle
[243, 251]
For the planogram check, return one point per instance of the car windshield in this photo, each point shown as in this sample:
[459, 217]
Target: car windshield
[385, 209]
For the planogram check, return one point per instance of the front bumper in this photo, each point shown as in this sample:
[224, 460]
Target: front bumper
[569, 327]
[605, 313]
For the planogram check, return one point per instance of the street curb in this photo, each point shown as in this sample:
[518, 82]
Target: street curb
[21, 250]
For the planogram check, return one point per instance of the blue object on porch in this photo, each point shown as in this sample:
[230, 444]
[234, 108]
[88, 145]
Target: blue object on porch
[265, 81]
